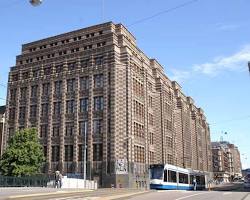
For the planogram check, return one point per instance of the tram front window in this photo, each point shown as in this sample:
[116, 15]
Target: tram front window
[156, 173]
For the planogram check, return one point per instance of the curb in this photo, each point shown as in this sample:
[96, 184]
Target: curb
[28, 196]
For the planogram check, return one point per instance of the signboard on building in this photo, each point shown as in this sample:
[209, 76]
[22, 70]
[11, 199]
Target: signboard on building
[121, 166]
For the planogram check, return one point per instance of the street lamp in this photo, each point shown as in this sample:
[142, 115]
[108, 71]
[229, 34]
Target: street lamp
[85, 153]
[35, 2]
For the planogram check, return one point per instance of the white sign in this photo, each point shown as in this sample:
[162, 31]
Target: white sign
[121, 166]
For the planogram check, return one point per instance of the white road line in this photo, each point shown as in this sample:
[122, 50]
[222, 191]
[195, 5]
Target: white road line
[189, 196]
[226, 193]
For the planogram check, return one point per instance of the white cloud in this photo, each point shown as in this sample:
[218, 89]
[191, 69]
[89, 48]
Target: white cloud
[227, 27]
[236, 62]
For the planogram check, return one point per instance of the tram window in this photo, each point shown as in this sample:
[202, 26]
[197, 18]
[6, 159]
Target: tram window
[198, 180]
[171, 176]
[191, 179]
[183, 178]
[156, 173]
[165, 175]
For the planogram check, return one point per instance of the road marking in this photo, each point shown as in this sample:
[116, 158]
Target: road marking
[226, 193]
[190, 196]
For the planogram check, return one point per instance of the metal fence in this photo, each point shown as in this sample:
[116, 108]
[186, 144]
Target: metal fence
[27, 181]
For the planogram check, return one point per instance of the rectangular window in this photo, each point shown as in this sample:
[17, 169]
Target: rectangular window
[43, 131]
[56, 131]
[99, 60]
[45, 110]
[71, 66]
[68, 153]
[98, 103]
[71, 85]
[183, 178]
[45, 89]
[171, 176]
[82, 126]
[58, 87]
[33, 111]
[23, 93]
[55, 153]
[84, 83]
[97, 152]
[57, 108]
[12, 113]
[22, 112]
[97, 126]
[69, 129]
[34, 91]
[84, 105]
[70, 106]
[59, 68]
[98, 80]
[13, 94]
[84, 63]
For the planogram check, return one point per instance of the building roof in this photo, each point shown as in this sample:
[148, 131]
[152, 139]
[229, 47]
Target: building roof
[2, 109]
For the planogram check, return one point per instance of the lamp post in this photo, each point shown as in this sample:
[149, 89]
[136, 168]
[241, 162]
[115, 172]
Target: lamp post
[85, 153]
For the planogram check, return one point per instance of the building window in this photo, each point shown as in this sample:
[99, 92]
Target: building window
[47, 71]
[45, 110]
[99, 60]
[138, 130]
[139, 154]
[82, 127]
[151, 157]
[81, 152]
[68, 153]
[55, 153]
[56, 131]
[97, 152]
[13, 94]
[84, 63]
[98, 103]
[71, 85]
[150, 119]
[59, 68]
[150, 102]
[45, 89]
[35, 73]
[58, 87]
[71, 66]
[84, 105]
[151, 138]
[170, 159]
[45, 151]
[22, 112]
[70, 106]
[34, 91]
[97, 126]
[23, 93]
[57, 108]
[84, 83]
[98, 80]
[33, 111]
[12, 113]
[169, 142]
[69, 129]
[43, 131]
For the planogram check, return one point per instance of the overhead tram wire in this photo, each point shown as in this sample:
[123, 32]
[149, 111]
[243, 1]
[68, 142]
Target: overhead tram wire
[164, 12]
[230, 120]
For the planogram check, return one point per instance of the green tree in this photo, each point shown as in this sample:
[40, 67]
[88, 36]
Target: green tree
[24, 154]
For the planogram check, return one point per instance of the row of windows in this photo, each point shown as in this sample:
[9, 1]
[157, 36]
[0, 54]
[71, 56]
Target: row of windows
[69, 152]
[138, 109]
[65, 41]
[57, 108]
[70, 129]
[58, 87]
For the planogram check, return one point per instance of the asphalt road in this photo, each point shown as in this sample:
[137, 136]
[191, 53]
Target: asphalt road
[221, 192]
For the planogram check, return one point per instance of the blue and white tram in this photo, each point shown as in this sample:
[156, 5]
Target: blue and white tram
[170, 177]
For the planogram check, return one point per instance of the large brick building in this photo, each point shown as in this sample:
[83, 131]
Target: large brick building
[226, 161]
[97, 77]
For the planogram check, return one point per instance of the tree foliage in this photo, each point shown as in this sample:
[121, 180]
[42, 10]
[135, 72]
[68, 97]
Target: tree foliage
[24, 154]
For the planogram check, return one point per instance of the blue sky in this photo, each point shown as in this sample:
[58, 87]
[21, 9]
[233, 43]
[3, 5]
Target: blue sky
[204, 45]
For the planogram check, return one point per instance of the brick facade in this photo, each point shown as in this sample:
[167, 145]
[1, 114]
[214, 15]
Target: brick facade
[133, 111]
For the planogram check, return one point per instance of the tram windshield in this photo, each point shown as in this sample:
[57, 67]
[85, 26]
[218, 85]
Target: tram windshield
[156, 172]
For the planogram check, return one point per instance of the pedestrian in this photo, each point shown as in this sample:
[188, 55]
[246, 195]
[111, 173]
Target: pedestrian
[60, 180]
[195, 183]
[57, 177]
